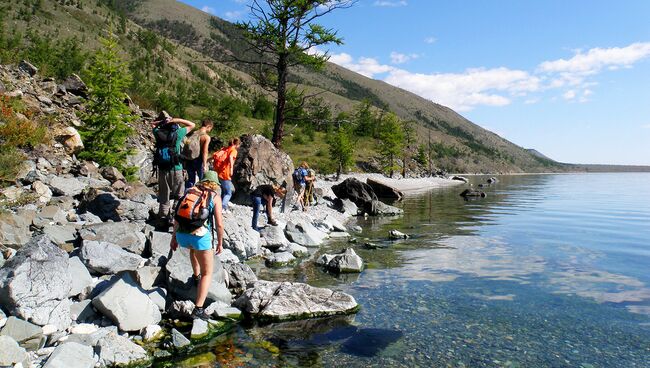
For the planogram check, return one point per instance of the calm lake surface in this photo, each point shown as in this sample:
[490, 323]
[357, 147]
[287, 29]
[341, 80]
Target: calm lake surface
[547, 271]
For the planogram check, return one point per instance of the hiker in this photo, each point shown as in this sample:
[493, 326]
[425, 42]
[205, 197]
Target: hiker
[300, 178]
[265, 195]
[195, 153]
[309, 187]
[196, 216]
[224, 164]
[169, 133]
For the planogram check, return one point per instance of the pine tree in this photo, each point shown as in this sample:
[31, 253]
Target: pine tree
[106, 116]
[341, 149]
[391, 141]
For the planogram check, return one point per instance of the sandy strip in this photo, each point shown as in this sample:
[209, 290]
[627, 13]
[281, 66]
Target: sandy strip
[406, 186]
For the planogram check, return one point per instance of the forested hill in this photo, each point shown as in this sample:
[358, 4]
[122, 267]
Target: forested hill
[177, 58]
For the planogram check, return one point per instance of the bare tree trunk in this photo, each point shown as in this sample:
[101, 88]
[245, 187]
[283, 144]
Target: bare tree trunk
[278, 129]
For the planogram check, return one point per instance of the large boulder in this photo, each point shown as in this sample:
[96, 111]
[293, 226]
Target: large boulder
[27, 335]
[14, 229]
[304, 233]
[274, 237]
[72, 140]
[279, 259]
[383, 190]
[109, 207]
[238, 234]
[81, 278]
[75, 85]
[346, 261]
[107, 258]
[259, 162]
[71, 355]
[128, 305]
[126, 235]
[182, 285]
[277, 301]
[71, 187]
[11, 354]
[379, 208]
[115, 350]
[142, 158]
[345, 206]
[36, 282]
[238, 276]
[354, 190]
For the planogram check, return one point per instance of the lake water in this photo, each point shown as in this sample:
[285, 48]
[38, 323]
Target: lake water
[547, 271]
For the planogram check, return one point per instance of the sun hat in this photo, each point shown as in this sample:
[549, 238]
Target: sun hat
[210, 176]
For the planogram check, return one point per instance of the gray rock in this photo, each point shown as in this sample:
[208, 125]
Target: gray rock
[28, 67]
[90, 219]
[239, 276]
[91, 339]
[49, 215]
[11, 353]
[75, 85]
[345, 206]
[143, 160]
[147, 276]
[296, 249]
[81, 278]
[116, 350]
[396, 235]
[354, 190]
[83, 312]
[125, 235]
[109, 207]
[279, 259]
[332, 223]
[158, 247]
[200, 329]
[181, 284]
[126, 304]
[227, 256]
[28, 335]
[383, 190]
[62, 235]
[304, 233]
[345, 262]
[221, 310]
[42, 191]
[181, 309]
[36, 282]
[378, 208]
[459, 178]
[107, 258]
[159, 297]
[178, 340]
[278, 301]
[274, 237]
[14, 229]
[66, 186]
[238, 235]
[71, 355]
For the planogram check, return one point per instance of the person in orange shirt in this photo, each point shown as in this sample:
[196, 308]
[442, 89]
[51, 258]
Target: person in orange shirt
[226, 172]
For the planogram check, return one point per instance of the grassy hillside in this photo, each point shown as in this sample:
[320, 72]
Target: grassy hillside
[177, 54]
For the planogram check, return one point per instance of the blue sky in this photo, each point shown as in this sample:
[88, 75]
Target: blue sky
[568, 78]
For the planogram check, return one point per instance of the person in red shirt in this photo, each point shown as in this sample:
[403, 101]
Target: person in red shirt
[226, 172]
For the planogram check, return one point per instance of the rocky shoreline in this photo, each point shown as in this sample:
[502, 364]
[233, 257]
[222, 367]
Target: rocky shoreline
[86, 280]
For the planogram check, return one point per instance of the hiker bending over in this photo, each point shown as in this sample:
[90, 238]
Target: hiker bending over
[265, 195]
[169, 133]
[197, 215]
[224, 164]
[195, 153]
[300, 178]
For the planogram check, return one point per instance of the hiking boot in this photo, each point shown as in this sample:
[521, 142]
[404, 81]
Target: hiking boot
[199, 313]
[273, 223]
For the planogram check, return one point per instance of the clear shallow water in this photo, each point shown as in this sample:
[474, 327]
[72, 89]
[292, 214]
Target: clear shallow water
[547, 271]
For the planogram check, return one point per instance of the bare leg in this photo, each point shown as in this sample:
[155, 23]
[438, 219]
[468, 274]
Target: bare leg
[206, 261]
[196, 267]
[269, 209]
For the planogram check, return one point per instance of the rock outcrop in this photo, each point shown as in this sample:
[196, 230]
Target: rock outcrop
[354, 190]
[383, 190]
[347, 261]
[181, 283]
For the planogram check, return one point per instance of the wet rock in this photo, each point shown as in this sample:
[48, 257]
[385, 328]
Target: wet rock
[126, 304]
[469, 193]
[345, 262]
[27, 335]
[36, 282]
[239, 276]
[396, 235]
[125, 235]
[492, 180]
[221, 310]
[181, 283]
[116, 350]
[238, 234]
[28, 68]
[259, 162]
[296, 250]
[75, 85]
[178, 340]
[279, 259]
[378, 208]
[152, 332]
[81, 278]
[71, 355]
[383, 190]
[459, 178]
[200, 329]
[304, 233]
[107, 258]
[14, 229]
[354, 190]
[11, 354]
[267, 300]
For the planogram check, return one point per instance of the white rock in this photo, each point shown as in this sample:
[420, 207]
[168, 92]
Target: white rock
[84, 329]
[151, 332]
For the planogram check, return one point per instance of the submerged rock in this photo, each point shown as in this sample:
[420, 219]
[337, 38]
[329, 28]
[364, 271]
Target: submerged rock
[396, 235]
[267, 300]
[36, 282]
[347, 261]
[467, 193]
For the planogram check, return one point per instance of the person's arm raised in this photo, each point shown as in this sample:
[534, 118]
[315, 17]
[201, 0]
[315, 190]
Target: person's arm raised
[184, 123]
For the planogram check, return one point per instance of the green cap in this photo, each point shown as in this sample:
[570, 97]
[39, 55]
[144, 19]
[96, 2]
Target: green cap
[211, 176]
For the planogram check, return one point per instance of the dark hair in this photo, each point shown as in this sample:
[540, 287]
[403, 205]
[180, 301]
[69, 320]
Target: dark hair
[207, 122]
[233, 142]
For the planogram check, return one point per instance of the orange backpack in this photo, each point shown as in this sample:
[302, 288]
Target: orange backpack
[220, 160]
[193, 208]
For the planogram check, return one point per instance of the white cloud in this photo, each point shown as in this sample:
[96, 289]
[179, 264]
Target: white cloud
[364, 66]
[207, 9]
[430, 40]
[233, 15]
[399, 58]
[596, 59]
[387, 3]
[532, 101]
[569, 95]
